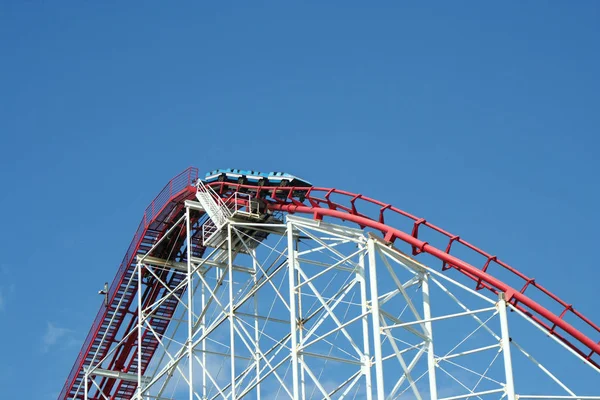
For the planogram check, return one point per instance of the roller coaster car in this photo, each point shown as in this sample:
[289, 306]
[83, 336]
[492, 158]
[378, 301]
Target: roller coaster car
[244, 177]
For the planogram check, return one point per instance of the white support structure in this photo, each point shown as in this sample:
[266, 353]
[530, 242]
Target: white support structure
[140, 326]
[190, 304]
[505, 343]
[307, 309]
[431, 362]
[86, 379]
[375, 315]
[364, 309]
[293, 309]
[231, 312]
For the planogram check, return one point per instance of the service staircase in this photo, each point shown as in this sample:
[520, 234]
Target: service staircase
[218, 214]
[238, 207]
[108, 324]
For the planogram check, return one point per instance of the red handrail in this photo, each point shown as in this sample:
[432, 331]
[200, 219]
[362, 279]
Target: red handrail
[319, 203]
[172, 189]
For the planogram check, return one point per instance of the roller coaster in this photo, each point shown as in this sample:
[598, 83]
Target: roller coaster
[251, 284]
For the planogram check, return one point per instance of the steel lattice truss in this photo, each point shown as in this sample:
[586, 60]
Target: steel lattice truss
[272, 305]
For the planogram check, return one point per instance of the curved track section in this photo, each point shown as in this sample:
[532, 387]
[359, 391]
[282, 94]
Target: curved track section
[558, 317]
[345, 207]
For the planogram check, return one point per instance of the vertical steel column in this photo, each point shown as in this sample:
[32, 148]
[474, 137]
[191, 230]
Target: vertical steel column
[430, 354]
[231, 321]
[293, 322]
[140, 322]
[190, 300]
[203, 346]
[85, 385]
[510, 385]
[256, 326]
[300, 330]
[360, 276]
[375, 317]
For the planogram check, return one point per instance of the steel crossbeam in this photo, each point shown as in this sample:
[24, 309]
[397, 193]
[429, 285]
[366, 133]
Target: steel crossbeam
[307, 309]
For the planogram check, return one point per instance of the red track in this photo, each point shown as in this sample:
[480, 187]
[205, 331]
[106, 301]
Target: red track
[158, 217]
[341, 205]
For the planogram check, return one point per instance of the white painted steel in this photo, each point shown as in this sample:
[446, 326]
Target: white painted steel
[190, 304]
[510, 385]
[380, 388]
[431, 361]
[139, 331]
[293, 318]
[318, 310]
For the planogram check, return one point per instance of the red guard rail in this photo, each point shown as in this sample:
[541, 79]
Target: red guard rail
[350, 207]
[172, 190]
[344, 207]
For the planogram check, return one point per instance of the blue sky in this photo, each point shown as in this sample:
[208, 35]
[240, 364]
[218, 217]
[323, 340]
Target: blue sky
[482, 118]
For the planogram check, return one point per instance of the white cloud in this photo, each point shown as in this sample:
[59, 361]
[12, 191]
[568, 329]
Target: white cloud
[53, 335]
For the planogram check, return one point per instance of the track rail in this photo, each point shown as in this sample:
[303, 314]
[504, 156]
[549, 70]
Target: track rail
[157, 217]
[343, 205]
[346, 206]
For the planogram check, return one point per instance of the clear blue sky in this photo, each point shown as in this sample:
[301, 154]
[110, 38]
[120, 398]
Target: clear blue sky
[482, 118]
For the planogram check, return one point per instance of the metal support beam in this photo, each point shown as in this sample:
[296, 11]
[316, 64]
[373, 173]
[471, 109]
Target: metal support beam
[193, 205]
[431, 361]
[190, 303]
[222, 265]
[139, 331]
[366, 368]
[161, 262]
[291, 251]
[85, 385]
[510, 385]
[375, 319]
[303, 303]
[124, 376]
[231, 310]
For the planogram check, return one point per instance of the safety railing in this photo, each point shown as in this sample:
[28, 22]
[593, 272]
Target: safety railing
[364, 208]
[172, 190]
[246, 204]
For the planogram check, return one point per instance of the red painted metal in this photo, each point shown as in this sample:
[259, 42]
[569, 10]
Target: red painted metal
[324, 206]
[154, 222]
[160, 213]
